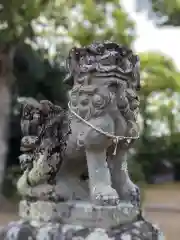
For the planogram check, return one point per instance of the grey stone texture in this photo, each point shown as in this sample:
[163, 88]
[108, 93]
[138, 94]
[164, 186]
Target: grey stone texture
[137, 230]
[78, 213]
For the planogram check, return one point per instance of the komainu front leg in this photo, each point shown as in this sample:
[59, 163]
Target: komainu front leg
[121, 181]
[99, 178]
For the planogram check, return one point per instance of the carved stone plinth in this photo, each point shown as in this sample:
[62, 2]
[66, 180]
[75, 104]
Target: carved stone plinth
[78, 213]
[22, 231]
[42, 220]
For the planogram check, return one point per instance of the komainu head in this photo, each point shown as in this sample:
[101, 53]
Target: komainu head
[106, 59]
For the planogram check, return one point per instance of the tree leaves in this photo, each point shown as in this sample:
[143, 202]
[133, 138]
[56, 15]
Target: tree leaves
[17, 16]
[164, 13]
[158, 73]
[99, 20]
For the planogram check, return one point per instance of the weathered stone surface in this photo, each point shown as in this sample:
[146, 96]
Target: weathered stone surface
[140, 230]
[78, 213]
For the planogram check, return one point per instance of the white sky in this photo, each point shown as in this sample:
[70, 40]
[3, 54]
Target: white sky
[166, 40]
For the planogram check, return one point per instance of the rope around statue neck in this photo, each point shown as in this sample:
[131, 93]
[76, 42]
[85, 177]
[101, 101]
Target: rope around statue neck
[115, 138]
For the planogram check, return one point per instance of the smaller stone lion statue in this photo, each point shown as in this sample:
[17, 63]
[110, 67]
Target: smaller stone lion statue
[45, 129]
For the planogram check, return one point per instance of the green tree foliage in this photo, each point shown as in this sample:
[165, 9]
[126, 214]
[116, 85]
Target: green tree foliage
[85, 21]
[102, 20]
[164, 12]
[159, 76]
[158, 73]
[16, 18]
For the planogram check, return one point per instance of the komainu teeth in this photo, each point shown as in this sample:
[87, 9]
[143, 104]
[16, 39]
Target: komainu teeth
[128, 140]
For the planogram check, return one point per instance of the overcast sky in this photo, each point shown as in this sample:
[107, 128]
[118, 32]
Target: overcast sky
[150, 38]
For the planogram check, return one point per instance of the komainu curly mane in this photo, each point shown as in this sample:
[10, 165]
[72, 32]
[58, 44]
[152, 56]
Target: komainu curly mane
[99, 65]
[105, 58]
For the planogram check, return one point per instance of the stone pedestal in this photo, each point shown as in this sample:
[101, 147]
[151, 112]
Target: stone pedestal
[78, 213]
[79, 221]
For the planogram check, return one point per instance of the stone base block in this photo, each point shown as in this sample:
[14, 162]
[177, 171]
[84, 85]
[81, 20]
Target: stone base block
[79, 221]
[78, 213]
[138, 230]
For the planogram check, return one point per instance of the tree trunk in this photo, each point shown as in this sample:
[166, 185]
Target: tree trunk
[4, 121]
[6, 76]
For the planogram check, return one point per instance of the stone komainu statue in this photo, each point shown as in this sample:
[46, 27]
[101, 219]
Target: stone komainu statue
[102, 117]
[75, 183]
